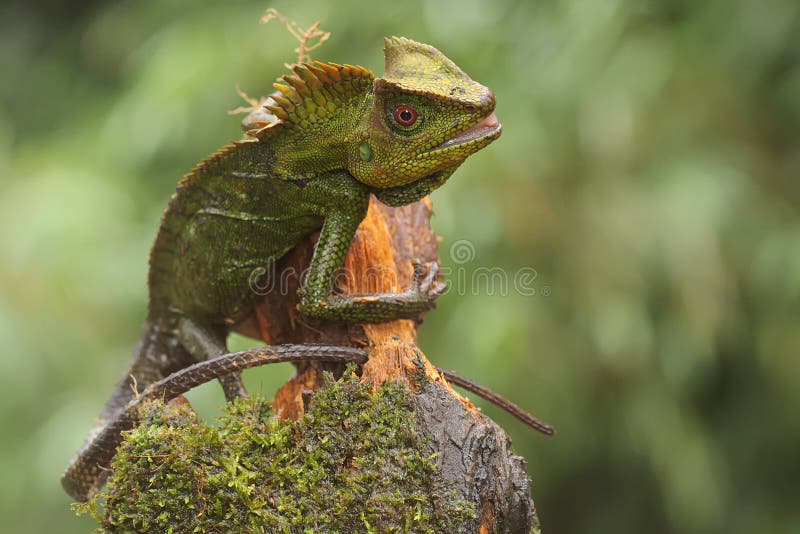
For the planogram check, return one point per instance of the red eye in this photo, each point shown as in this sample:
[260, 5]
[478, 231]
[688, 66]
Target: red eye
[405, 115]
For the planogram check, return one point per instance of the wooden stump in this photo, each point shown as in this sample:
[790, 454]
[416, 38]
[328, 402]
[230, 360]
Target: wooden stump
[473, 452]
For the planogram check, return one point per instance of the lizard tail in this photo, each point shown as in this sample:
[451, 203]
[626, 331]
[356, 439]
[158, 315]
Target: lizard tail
[157, 355]
[495, 398]
[88, 470]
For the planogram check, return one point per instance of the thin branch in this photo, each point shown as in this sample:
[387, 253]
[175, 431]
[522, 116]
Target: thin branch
[305, 37]
[252, 103]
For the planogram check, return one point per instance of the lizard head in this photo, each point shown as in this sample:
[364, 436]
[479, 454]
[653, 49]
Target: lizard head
[425, 115]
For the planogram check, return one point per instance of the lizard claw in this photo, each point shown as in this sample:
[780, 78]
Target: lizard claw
[425, 285]
[438, 289]
[420, 268]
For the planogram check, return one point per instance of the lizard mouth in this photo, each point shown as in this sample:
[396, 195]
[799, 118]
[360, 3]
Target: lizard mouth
[486, 130]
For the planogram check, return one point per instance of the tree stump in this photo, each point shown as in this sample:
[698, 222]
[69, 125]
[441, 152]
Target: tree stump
[473, 452]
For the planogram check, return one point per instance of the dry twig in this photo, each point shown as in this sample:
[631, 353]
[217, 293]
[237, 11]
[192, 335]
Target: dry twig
[305, 37]
[310, 39]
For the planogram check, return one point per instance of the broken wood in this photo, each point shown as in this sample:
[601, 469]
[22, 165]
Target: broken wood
[474, 454]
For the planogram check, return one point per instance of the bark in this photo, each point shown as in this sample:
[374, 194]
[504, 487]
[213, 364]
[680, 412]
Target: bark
[473, 452]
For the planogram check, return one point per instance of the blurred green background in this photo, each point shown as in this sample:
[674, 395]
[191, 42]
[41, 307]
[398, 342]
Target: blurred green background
[648, 171]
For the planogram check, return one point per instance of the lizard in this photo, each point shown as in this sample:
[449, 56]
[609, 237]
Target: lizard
[335, 135]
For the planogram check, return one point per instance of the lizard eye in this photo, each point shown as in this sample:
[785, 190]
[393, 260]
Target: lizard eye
[405, 115]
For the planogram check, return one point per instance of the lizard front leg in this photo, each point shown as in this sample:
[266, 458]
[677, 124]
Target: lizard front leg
[318, 300]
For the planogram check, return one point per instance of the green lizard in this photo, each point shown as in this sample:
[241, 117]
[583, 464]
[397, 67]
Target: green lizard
[336, 135]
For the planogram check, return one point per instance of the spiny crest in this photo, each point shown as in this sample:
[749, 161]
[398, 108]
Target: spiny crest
[420, 68]
[313, 93]
[214, 158]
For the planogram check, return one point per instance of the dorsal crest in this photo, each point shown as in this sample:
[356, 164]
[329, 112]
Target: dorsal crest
[313, 93]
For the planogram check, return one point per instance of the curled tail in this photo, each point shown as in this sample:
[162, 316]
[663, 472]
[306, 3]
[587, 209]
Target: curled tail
[88, 470]
[151, 368]
[157, 355]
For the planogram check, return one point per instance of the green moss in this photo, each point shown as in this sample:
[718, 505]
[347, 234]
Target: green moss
[354, 463]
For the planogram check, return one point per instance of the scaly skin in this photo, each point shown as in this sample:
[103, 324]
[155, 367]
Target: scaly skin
[335, 135]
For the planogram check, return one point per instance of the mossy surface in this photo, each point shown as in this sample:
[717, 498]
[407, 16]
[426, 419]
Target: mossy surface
[354, 463]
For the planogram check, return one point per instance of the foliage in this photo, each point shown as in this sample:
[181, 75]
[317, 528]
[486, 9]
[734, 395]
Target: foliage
[354, 463]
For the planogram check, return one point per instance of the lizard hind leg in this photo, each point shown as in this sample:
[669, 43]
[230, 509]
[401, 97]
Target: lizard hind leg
[155, 357]
[204, 343]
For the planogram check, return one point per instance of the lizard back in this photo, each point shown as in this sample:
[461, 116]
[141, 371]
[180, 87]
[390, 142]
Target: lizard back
[228, 218]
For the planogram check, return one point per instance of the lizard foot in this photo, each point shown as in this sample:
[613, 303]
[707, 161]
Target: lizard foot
[425, 286]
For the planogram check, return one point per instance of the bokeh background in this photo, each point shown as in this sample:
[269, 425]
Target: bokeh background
[649, 172]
